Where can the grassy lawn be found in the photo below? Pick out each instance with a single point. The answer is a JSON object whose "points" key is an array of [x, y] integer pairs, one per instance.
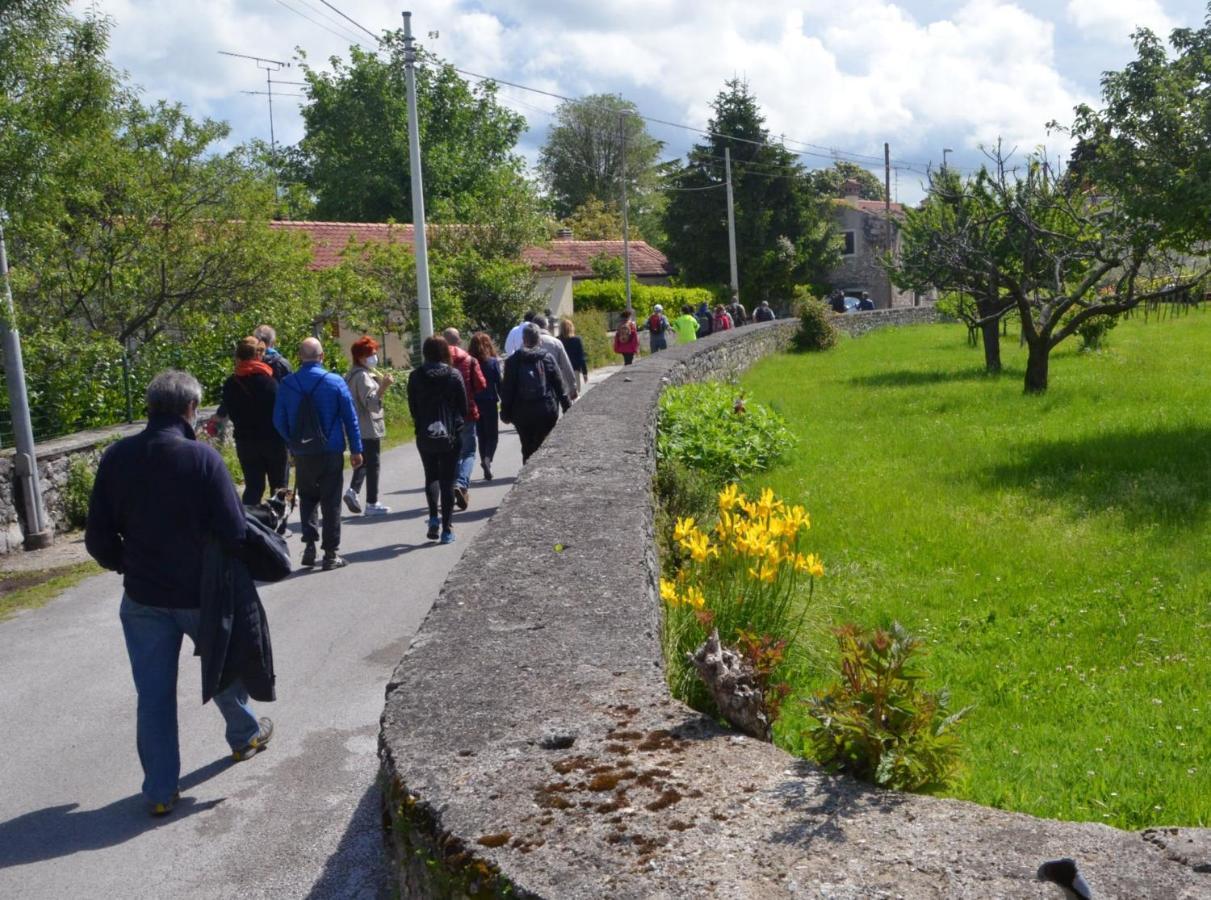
{"points": [[29, 590], [1055, 551]]}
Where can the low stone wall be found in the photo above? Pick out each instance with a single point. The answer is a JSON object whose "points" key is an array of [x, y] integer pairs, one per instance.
{"points": [[858, 323], [529, 745]]}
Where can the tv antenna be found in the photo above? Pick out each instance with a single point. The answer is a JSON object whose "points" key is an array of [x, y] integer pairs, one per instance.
{"points": [[270, 66]]}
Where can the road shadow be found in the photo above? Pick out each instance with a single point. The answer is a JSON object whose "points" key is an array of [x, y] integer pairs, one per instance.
{"points": [[1155, 475], [359, 867], [821, 804], [378, 554], [62, 830], [926, 377]]}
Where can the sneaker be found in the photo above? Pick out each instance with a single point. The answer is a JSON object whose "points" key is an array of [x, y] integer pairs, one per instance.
{"points": [[377, 509], [434, 525], [257, 744], [351, 501], [447, 537], [163, 809], [487, 470], [333, 562], [462, 497], [309, 555]]}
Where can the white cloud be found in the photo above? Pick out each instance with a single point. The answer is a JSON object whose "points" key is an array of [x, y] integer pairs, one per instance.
{"points": [[1115, 20]]}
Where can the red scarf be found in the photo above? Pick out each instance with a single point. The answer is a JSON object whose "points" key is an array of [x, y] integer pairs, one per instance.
{"points": [[245, 367]]}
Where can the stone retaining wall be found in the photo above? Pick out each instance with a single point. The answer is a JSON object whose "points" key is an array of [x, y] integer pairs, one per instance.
{"points": [[530, 747], [859, 323]]}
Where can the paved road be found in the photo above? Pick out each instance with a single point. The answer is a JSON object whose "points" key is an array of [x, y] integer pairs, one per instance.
{"points": [[299, 820]]}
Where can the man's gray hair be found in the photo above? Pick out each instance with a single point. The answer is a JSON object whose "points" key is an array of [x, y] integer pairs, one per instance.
{"points": [[540, 322], [452, 336], [529, 335], [265, 333], [171, 392]]}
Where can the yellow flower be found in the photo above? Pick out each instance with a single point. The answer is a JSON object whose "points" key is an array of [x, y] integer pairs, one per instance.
{"points": [[683, 529], [668, 592], [811, 564], [797, 519], [699, 547], [764, 573], [694, 597], [768, 504], [726, 525], [730, 497]]}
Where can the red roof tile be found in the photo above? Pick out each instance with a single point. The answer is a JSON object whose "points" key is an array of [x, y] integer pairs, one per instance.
{"points": [[573, 257]]}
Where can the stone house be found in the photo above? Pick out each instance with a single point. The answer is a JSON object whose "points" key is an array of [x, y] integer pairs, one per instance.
{"points": [[863, 226]]}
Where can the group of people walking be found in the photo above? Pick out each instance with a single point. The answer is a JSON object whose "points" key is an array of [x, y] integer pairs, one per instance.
{"points": [[689, 326]]}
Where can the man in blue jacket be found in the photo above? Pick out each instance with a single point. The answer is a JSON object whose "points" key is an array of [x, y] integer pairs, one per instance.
{"points": [[319, 459], [159, 496]]}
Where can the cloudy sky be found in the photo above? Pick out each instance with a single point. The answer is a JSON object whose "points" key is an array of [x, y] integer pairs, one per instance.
{"points": [[921, 74]]}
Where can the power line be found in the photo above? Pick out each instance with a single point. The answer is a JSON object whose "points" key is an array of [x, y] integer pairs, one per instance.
{"points": [[351, 21], [326, 16], [299, 12]]}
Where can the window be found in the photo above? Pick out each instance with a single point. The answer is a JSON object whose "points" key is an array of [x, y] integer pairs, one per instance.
{"points": [[850, 247]]}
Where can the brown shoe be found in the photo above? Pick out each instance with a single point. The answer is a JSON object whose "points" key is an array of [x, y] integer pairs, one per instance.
{"points": [[462, 497]]}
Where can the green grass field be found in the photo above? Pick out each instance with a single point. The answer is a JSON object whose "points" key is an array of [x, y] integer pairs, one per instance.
{"points": [[1054, 550]]}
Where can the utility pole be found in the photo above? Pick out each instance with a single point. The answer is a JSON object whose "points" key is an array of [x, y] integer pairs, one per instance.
{"points": [[946, 151], [887, 217], [731, 225], [270, 66], [626, 230], [424, 300], [25, 464]]}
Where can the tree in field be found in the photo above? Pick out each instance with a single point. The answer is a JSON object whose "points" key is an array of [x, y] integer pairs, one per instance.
{"points": [[784, 232], [354, 153], [831, 182], [935, 243], [1064, 256], [582, 160]]}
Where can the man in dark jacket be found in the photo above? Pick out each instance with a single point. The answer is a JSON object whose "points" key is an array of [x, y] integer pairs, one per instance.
{"points": [[320, 464], [275, 361], [158, 497], [532, 392]]}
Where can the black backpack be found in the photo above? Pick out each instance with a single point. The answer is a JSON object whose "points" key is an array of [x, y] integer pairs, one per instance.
{"points": [[532, 381], [308, 434], [440, 434]]}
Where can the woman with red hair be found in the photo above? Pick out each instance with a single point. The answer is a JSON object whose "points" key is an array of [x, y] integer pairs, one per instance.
{"points": [[367, 387]]}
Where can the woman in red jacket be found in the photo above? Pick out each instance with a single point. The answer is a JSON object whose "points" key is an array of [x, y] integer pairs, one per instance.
{"points": [[626, 339], [723, 322]]}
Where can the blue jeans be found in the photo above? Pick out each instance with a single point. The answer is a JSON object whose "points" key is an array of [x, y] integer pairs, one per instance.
{"points": [[466, 455], [153, 643]]}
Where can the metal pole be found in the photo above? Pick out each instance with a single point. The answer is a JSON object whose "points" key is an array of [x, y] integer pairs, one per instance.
{"points": [[26, 461], [887, 217], [273, 144], [731, 225], [424, 300], [626, 231]]}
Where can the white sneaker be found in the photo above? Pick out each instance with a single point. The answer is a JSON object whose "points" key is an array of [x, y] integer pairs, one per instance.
{"points": [[377, 509], [351, 501]]}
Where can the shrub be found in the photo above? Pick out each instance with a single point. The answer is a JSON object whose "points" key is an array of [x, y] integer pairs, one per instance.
{"points": [[593, 328], [744, 578], [711, 428], [877, 723], [611, 297], [81, 473], [816, 329], [1093, 332], [684, 493]]}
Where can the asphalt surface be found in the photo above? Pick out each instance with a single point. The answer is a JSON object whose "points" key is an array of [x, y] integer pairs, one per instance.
{"points": [[301, 819]]}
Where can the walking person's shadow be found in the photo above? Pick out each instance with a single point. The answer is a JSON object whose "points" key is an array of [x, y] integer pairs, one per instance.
{"points": [[57, 831]]}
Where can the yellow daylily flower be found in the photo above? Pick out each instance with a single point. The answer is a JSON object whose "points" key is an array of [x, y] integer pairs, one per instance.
{"points": [[764, 573], [699, 547], [730, 497], [683, 528], [797, 519], [668, 592], [768, 504], [694, 598]]}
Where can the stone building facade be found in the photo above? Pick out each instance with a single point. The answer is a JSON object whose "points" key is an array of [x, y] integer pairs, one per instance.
{"points": [[863, 226]]}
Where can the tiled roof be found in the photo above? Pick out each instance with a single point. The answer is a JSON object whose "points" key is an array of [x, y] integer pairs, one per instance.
{"points": [[577, 256], [573, 257], [871, 206]]}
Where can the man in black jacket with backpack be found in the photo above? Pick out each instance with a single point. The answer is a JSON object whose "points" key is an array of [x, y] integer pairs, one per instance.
{"points": [[532, 392], [158, 498]]}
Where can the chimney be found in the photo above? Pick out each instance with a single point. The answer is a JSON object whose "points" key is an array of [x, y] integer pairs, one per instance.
{"points": [[852, 189], [563, 234]]}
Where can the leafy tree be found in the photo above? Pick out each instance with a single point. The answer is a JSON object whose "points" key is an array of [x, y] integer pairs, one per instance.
{"points": [[935, 237], [606, 267], [354, 154], [831, 182], [597, 220], [784, 233], [582, 159]]}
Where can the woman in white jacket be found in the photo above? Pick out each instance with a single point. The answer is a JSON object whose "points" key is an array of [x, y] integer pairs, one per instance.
{"points": [[367, 387]]}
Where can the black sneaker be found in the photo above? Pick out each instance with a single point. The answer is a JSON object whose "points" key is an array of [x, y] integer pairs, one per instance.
{"points": [[487, 470], [333, 562], [462, 497], [257, 744], [309, 555]]}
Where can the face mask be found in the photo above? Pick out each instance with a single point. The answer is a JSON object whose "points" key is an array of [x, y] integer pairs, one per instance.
{"points": [[372, 360]]}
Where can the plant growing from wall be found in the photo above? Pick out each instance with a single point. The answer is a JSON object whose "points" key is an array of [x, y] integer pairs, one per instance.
{"points": [[816, 328], [81, 473], [877, 722]]}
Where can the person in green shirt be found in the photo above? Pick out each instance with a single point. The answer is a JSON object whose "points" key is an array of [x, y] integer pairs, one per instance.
{"points": [[686, 326]]}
